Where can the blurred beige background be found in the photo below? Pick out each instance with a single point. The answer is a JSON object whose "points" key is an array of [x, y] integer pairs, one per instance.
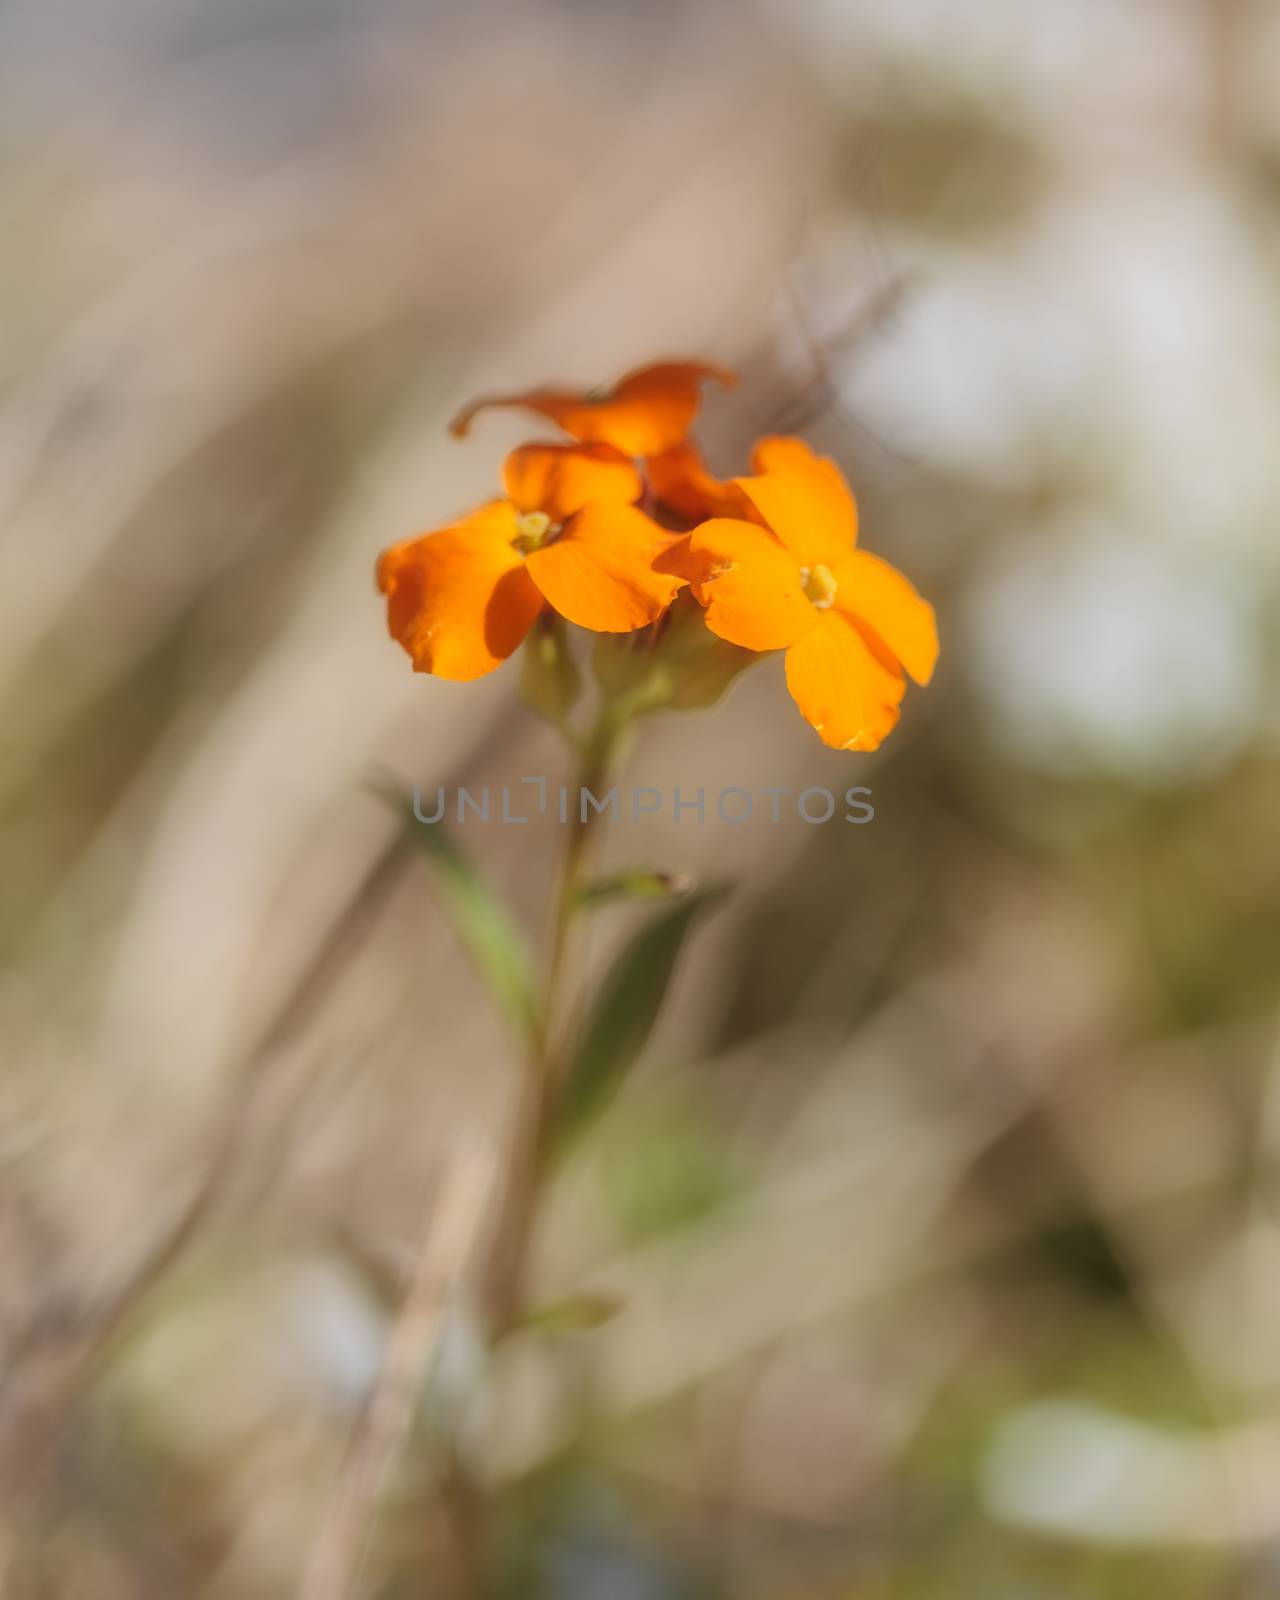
{"points": [[943, 1210]]}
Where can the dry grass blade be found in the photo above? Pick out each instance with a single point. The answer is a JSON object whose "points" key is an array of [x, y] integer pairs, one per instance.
{"points": [[333, 1570]]}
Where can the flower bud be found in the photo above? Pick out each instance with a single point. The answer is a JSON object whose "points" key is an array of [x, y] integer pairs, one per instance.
{"points": [[550, 682]]}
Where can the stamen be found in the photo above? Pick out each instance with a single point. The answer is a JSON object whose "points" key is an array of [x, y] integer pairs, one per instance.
{"points": [[531, 529], [820, 585]]}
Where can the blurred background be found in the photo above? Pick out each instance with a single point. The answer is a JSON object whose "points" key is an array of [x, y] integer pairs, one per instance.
{"points": [[939, 1226]]}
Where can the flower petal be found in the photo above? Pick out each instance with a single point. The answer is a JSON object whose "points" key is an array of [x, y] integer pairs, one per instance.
{"points": [[653, 408], [880, 597], [495, 519], [603, 572], [847, 695], [748, 582], [645, 413], [561, 478], [681, 482], [460, 600], [778, 451], [806, 503]]}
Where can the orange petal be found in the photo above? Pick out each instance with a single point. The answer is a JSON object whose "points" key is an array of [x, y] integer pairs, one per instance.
{"points": [[647, 412], [847, 695], [460, 600], [777, 451], [749, 583], [603, 573], [561, 478], [678, 559], [806, 503], [495, 519], [881, 598], [681, 482]]}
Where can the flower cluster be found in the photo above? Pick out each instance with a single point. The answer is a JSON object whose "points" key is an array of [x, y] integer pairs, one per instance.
{"points": [[607, 529]]}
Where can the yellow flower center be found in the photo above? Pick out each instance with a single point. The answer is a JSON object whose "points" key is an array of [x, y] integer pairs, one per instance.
{"points": [[819, 584], [532, 528]]}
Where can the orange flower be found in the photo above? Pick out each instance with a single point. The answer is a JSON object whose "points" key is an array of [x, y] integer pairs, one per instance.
{"points": [[461, 600], [850, 624], [644, 414]]}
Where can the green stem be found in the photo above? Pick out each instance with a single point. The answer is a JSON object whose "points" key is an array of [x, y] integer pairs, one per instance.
{"points": [[504, 1277], [505, 1269]]}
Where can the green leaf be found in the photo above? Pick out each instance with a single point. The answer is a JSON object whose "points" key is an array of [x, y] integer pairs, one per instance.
{"points": [[578, 1313], [625, 1009], [635, 883], [485, 927]]}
